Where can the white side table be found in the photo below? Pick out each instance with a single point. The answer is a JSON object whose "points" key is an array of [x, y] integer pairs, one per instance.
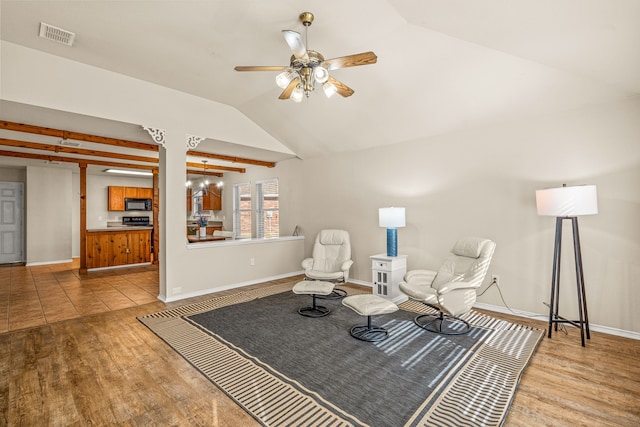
{"points": [[388, 272]]}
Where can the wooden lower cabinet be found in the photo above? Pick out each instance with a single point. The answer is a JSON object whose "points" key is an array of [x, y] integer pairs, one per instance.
{"points": [[113, 248]]}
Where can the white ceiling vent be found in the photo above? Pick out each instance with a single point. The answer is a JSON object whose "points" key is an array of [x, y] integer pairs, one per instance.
{"points": [[69, 143], [56, 34]]}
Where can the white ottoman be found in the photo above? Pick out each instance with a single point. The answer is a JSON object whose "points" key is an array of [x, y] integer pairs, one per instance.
{"points": [[313, 288], [369, 305]]}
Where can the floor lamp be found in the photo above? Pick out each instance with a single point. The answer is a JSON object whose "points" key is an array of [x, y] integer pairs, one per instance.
{"points": [[567, 203]]}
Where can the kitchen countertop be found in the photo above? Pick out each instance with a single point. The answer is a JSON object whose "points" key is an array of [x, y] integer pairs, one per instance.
{"points": [[209, 223], [193, 238], [122, 227]]}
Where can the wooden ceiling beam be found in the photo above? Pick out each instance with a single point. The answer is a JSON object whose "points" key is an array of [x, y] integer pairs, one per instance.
{"points": [[64, 134], [73, 150], [231, 158], [191, 167], [218, 167], [197, 172], [75, 160], [39, 130]]}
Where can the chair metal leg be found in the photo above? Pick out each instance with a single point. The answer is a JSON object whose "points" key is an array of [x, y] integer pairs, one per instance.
{"points": [[315, 310], [335, 294], [441, 323], [369, 332]]}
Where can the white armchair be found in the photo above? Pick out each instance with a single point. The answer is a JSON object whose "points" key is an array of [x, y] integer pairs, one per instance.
{"points": [[452, 289], [228, 235], [331, 257]]}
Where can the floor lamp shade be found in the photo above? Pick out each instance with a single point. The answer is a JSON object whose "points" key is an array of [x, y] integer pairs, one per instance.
{"points": [[391, 218], [567, 203]]}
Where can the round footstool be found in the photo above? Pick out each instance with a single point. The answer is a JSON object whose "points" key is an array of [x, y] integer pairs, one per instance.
{"points": [[369, 305], [313, 288]]}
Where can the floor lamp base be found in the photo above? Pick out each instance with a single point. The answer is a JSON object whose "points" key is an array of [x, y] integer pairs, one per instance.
{"points": [[554, 318]]}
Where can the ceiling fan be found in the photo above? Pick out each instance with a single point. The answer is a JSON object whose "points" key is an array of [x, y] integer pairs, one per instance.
{"points": [[308, 67]]}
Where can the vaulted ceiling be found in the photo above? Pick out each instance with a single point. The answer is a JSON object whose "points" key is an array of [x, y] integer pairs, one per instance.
{"points": [[443, 65]]}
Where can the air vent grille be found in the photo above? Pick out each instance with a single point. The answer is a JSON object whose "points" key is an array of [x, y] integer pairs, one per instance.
{"points": [[56, 34], [69, 143]]}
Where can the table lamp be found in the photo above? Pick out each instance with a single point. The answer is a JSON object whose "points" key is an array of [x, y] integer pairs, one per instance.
{"points": [[567, 203], [391, 218]]}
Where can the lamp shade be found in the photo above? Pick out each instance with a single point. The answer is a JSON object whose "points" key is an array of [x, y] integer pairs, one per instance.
{"points": [[567, 201], [391, 217]]}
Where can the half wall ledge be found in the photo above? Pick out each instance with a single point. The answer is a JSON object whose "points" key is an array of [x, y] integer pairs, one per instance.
{"points": [[238, 242]]}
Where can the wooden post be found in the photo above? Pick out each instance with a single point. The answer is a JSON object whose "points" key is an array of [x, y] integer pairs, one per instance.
{"points": [[156, 217], [83, 217]]}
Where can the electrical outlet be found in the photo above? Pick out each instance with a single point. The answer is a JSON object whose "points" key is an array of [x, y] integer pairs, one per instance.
{"points": [[252, 261], [177, 291], [495, 279]]}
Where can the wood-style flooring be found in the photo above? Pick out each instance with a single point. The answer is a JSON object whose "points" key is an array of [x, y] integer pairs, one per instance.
{"points": [[73, 353]]}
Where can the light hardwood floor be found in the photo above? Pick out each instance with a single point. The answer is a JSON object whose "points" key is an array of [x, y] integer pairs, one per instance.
{"points": [[97, 365]]}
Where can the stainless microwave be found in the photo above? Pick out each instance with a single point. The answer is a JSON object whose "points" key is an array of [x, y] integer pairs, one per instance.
{"points": [[137, 204]]}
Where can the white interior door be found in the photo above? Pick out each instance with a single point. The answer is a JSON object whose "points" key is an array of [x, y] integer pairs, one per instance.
{"points": [[11, 230]]}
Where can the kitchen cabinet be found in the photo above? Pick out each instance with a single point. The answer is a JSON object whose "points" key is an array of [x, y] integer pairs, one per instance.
{"points": [[117, 194], [145, 193], [118, 247], [116, 198], [212, 201], [130, 192], [138, 193]]}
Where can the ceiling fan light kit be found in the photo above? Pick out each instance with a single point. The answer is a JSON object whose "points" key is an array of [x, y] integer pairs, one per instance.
{"points": [[308, 67], [329, 89]]}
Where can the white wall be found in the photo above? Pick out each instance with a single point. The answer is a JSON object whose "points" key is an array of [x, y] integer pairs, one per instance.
{"points": [[12, 174], [483, 183], [48, 206], [225, 265]]}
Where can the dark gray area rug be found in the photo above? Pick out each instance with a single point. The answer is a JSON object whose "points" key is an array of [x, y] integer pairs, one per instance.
{"points": [[286, 369]]}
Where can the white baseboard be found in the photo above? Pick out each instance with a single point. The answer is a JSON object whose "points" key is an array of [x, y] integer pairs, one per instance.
{"points": [[489, 307], [545, 317], [118, 266], [227, 287], [60, 261], [361, 282]]}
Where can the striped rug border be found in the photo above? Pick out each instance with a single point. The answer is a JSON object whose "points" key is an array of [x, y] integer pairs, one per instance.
{"points": [[480, 394]]}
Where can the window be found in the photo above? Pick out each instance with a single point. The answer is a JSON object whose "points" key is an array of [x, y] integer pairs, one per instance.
{"points": [[268, 209], [242, 210]]}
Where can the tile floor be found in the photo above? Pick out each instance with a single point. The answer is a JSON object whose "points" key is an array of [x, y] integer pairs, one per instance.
{"points": [[33, 296]]}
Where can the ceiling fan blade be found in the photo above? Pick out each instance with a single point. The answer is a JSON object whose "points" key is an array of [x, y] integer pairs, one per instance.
{"points": [[260, 68], [364, 58], [294, 40], [342, 88], [286, 94]]}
